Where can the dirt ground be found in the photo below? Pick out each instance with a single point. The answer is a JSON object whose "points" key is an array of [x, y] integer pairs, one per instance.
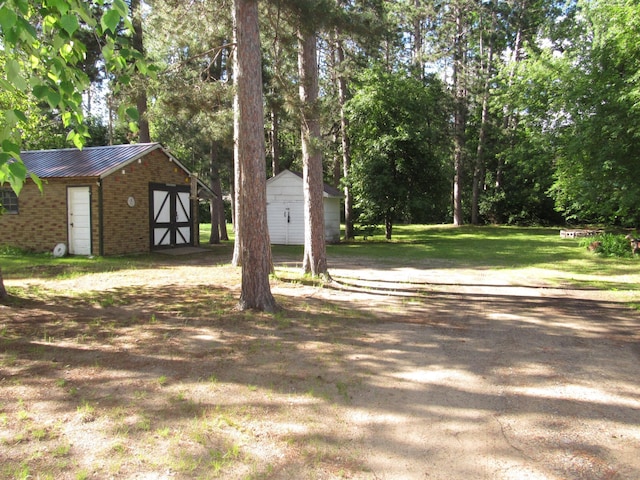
{"points": [[390, 372]]}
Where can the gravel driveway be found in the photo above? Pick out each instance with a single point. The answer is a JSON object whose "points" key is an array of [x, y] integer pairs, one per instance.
{"points": [[478, 375], [442, 373]]}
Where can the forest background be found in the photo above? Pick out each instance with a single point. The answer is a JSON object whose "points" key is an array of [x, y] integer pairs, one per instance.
{"points": [[463, 111]]}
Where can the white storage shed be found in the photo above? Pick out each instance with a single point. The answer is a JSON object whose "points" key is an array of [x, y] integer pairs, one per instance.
{"points": [[285, 210]]}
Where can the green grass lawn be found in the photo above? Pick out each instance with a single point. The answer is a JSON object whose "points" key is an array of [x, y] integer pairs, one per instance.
{"points": [[21, 264], [481, 246], [467, 246], [538, 249], [485, 247]]}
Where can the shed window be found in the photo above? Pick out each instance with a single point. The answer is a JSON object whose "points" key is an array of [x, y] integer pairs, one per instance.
{"points": [[8, 201]]}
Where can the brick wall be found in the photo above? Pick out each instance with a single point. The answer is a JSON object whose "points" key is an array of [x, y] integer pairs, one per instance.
{"points": [[125, 228], [42, 221]]}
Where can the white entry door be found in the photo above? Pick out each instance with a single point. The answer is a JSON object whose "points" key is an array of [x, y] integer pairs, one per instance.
{"points": [[278, 221], [79, 220], [286, 223]]}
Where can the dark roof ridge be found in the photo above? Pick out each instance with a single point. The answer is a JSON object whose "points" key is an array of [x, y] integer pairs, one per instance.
{"points": [[68, 149]]}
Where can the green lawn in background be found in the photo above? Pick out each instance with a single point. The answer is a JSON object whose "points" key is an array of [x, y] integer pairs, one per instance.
{"points": [[467, 246], [17, 264], [482, 246]]}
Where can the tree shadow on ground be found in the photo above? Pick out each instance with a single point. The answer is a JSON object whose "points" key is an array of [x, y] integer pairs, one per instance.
{"points": [[373, 385]]}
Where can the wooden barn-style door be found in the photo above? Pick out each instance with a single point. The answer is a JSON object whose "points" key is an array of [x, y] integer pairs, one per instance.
{"points": [[171, 224]]}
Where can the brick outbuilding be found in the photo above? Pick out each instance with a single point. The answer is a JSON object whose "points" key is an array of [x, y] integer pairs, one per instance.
{"points": [[110, 200]]}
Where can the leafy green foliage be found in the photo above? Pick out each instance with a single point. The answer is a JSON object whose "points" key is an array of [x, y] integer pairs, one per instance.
{"points": [[11, 250], [574, 99], [516, 188], [192, 110], [609, 245], [44, 52], [399, 146], [596, 175]]}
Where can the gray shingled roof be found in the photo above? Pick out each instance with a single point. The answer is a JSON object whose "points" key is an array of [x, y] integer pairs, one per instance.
{"points": [[88, 162]]}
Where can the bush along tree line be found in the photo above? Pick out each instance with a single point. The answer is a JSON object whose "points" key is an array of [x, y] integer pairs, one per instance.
{"points": [[517, 112]]}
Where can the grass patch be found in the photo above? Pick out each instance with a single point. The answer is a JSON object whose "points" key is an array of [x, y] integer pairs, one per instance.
{"points": [[62, 450], [470, 246], [86, 411], [19, 264], [500, 247], [487, 247]]}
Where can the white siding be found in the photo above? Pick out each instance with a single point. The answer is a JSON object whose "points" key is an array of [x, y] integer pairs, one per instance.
{"points": [[332, 219], [286, 222], [285, 211]]}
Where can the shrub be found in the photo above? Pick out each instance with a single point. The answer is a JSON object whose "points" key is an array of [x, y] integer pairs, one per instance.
{"points": [[611, 245], [11, 250]]}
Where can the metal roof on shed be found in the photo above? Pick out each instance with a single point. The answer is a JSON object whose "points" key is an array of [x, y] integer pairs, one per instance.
{"points": [[88, 162]]}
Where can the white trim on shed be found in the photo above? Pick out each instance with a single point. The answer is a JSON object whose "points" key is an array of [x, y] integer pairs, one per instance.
{"points": [[285, 210]]}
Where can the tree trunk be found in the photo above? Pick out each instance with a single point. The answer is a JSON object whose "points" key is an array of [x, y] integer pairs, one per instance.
{"points": [[275, 104], [459, 116], [418, 59], [510, 122], [346, 143], [144, 135], [336, 163], [236, 259], [214, 239], [254, 241], [315, 257], [3, 291], [275, 143], [480, 167], [214, 205], [222, 217], [218, 218]]}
